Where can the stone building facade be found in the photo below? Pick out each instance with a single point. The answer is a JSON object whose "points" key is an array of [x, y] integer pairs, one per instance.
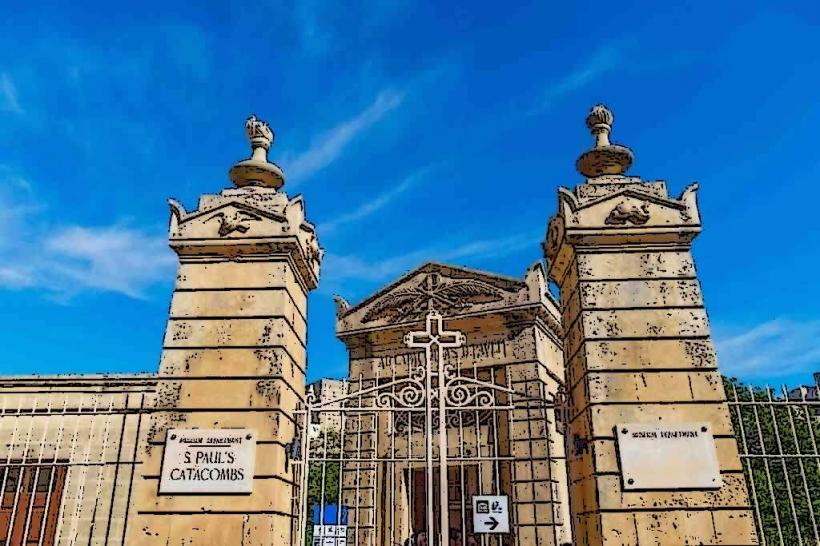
{"points": [[628, 342], [512, 339]]}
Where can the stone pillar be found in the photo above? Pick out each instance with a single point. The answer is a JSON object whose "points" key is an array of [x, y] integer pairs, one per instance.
{"points": [[233, 354], [637, 349]]}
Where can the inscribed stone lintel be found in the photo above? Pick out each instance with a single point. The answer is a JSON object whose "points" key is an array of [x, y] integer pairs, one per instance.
{"points": [[668, 457]]}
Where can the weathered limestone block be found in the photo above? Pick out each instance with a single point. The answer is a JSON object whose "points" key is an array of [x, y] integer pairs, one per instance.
{"points": [[235, 361], [640, 293], [636, 265], [236, 303]]}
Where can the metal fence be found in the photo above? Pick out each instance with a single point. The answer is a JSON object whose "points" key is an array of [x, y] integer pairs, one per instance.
{"points": [[778, 431], [70, 454]]}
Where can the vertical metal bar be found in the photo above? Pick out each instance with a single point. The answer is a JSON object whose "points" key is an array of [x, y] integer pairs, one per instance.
{"points": [[801, 466], [411, 476], [53, 472], [495, 443], [513, 473], [461, 442], [11, 444], [477, 425], [358, 462], [748, 462], [81, 487], [783, 465], [103, 466], [766, 465], [444, 501], [378, 511], [71, 461], [428, 385], [30, 508], [392, 505], [548, 428], [305, 471], [323, 474], [21, 475], [341, 453], [809, 422]]}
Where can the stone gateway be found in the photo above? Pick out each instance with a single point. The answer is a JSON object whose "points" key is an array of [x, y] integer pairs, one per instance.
{"points": [[478, 409]]}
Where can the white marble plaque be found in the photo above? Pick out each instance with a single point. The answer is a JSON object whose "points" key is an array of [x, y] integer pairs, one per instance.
{"points": [[668, 457], [208, 461], [491, 514]]}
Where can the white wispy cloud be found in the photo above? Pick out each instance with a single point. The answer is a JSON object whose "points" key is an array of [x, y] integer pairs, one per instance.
{"points": [[63, 261], [110, 258], [776, 348], [8, 94], [373, 205], [602, 61], [326, 148]]}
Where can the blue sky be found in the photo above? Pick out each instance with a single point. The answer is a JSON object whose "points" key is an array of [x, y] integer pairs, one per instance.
{"points": [[415, 131]]}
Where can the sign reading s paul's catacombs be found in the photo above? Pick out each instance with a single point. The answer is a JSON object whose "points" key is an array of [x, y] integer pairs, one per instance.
{"points": [[203, 461], [675, 456]]}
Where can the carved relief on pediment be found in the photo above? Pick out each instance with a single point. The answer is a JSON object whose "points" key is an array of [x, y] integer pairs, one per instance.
{"points": [[434, 291], [623, 214], [230, 221]]}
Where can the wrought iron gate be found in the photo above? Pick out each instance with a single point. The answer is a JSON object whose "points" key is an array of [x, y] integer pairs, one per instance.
{"points": [[400, 456]]}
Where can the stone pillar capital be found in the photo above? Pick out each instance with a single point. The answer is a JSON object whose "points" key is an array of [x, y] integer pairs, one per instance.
{"points": [[619, 211], [247, 224]]}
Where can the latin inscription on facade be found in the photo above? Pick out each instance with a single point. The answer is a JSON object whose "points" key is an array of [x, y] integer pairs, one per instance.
{"points": [[208, 461], [465, 355], [668, 457]]}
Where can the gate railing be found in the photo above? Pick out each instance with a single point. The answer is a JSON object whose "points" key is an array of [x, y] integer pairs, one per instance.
{"points": [[426, 438], [778, 434]]}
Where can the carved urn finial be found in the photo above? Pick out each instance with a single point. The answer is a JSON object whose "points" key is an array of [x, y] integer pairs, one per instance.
{"points": [[257, 171], [605, 158]]}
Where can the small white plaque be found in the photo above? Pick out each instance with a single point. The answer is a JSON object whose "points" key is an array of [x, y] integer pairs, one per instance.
{"points": [[330, 535], [491, 514], [208, 461], [668, 457]]}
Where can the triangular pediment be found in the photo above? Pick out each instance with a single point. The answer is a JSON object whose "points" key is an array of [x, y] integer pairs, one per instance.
{"points": [[448, 289], [227, 220], [630, 206]]}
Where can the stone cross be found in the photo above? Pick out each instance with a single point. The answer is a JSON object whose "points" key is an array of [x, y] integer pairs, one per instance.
{"points": [[434, 334]]}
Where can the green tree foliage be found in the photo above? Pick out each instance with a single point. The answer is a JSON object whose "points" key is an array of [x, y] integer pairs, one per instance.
{"points": [[323, 477], [778, 437]]}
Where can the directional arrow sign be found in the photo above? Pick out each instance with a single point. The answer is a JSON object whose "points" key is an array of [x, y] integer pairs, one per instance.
{"points": [[491, 514]]}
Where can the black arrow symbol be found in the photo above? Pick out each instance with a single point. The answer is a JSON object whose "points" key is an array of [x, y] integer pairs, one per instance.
{"points": [[493, 523]]}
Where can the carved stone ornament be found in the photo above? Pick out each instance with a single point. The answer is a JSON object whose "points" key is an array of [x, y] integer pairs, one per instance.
{"points": [[236, 220], [341, 305], [257, 170], [605, 158], [620, 215], [433, 292], [259, 132]]}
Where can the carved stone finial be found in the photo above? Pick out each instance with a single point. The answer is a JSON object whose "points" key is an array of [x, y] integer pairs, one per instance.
{"points": [[605, 158], [258, 171], [259, 133], [341, 305]]}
